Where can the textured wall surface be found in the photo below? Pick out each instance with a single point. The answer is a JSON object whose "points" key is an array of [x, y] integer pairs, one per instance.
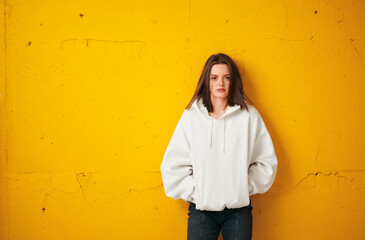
{"points": [[91, 92]]}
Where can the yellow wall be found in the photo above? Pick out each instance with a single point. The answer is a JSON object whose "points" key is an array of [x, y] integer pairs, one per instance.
{"points": [[89, 102]]}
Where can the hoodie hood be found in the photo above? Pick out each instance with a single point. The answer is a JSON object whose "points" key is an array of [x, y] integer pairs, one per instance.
{"points": [[199, 105]]}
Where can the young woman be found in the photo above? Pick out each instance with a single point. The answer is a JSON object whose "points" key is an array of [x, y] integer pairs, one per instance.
{"points": [[220, 154]]}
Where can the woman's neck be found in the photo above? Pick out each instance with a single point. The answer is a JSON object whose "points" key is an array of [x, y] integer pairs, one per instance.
{"points": [[219, 107], [219, 104]]}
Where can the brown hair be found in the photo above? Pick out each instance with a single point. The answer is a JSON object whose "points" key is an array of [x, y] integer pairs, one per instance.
{"points": [[236, 94]]}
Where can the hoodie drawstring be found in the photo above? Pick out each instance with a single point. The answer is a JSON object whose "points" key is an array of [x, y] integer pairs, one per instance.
{"points": [[224, 134], [199, 105]]}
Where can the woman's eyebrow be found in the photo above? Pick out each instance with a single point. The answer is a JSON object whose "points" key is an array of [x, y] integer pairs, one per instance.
{"points": [[223, 75]]}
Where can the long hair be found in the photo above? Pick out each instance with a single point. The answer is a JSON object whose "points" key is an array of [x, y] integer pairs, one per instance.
{"points": [[236, 94]]}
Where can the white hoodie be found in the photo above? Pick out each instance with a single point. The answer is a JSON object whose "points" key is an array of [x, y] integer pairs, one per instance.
{"points": [[218, 163]]}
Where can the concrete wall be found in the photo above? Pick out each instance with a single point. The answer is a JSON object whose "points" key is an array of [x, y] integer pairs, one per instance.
{"points": [[91, 92]]}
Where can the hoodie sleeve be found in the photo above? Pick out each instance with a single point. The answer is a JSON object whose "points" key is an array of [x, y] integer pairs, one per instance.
{"points": [[263, 164], [176, 167]]}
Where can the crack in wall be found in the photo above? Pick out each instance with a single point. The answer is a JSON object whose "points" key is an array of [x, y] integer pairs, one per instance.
{"points": [[87, 40], [84, 179], [146, 189], [299, 186], [351, 42], [319, 173], [320, 140], [5, 15]]}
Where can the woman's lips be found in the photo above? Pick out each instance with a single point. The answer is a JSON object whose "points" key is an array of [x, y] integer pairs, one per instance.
{"points": [[221, 90]]}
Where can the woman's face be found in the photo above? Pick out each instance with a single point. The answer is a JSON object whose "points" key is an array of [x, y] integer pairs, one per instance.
{"points": [[219, 80]]}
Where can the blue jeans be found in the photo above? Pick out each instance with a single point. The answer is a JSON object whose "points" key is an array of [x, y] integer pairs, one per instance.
{"points": [[236, 223]]}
